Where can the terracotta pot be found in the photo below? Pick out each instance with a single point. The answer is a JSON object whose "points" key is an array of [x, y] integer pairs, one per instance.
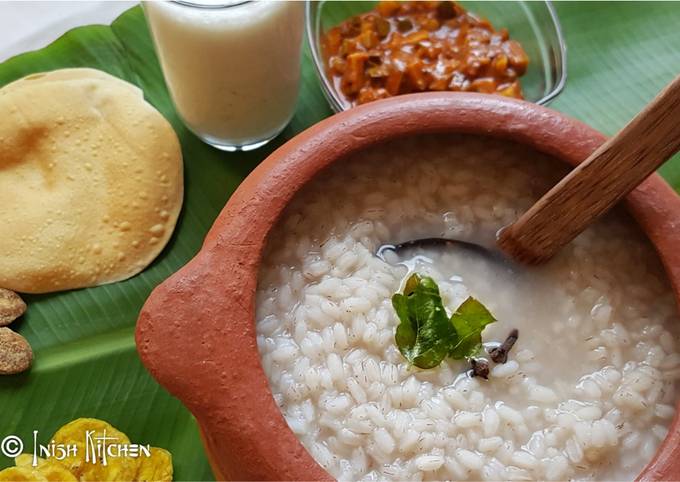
{"points": [[196, 333]]}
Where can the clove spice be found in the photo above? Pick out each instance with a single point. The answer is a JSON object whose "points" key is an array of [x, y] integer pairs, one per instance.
{"points": [[480, 368], [499, 354]]}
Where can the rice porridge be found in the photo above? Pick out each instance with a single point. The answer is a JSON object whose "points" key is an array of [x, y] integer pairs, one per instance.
{"points": [[588, 390]]}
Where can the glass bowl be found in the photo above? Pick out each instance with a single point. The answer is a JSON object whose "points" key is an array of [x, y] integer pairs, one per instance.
{"points": [[533, 24]]}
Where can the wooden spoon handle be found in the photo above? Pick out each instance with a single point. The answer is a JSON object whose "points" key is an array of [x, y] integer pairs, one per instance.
{"points": [[598, 183]]}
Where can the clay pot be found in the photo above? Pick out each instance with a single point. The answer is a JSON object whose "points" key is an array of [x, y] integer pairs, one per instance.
{"points": [[196, 333]]}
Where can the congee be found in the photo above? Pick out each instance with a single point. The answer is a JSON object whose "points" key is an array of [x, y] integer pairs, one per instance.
{"points": [[587, 391]]}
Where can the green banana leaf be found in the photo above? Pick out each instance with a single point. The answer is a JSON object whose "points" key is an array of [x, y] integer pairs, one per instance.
{"points": [[620, 55]]}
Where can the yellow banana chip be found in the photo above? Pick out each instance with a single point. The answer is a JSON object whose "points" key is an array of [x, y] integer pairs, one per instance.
{"points": [[98, 465], [21, 474], [157, 468], [76, 433], [26, 460], [49, 470], [55, 472], [116, 470]]}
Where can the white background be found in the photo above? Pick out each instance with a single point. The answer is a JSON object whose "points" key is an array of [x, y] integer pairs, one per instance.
{"points": [[29, 25]]}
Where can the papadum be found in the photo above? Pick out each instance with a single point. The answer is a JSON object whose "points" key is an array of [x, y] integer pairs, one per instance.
{"points": [[91, 181]]}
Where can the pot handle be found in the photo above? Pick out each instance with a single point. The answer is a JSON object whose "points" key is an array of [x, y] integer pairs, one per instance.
{"points": [[192, 337]]}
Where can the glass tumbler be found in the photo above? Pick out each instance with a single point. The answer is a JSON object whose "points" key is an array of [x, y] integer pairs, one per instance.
{"points": [[232, 69]]}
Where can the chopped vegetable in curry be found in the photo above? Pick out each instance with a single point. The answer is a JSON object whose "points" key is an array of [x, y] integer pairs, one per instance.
{"points": [[416, 46]]}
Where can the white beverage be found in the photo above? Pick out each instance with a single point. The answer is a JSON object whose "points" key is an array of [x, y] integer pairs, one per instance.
{"points": [[232, 69]]}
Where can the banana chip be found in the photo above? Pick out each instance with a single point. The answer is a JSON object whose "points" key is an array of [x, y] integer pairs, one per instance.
{"points": [[26, 460], [49, 470], [119, 469], [78, 468], [157, 468], [21, 474], [55, 472], [74, 433]]}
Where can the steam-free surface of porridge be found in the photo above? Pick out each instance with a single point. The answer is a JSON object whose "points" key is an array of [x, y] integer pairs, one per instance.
{"points": [[589, 389]]}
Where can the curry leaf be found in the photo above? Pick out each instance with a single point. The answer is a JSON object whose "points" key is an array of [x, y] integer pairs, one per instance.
{"points": [[469, 321], [426, 335], [407, 330]]}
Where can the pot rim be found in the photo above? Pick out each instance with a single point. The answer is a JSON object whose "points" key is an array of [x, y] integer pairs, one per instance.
{"points": [[206, 309]]}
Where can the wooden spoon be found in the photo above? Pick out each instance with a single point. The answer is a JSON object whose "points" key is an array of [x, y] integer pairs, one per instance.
{"points": [[587, 192], [598, 183]]}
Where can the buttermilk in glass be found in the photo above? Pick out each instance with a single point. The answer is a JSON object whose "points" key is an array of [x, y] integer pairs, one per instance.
{"points": [[232, 68]]}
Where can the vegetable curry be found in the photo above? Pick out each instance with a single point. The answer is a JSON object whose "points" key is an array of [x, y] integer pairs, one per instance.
{"points": [[416, 46]]}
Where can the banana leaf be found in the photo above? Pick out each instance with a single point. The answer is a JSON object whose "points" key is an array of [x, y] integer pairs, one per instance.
{"points": [[620, 55]]}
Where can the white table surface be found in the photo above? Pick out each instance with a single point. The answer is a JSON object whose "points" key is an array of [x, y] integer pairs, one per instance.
{"points": [[30, 25]]}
